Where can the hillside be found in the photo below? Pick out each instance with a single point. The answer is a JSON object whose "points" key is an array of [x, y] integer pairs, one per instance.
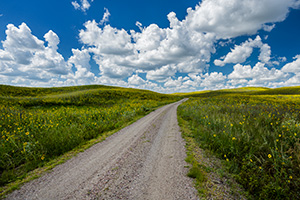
{"points": [[76, 95], [244, 91], [39, 124]]}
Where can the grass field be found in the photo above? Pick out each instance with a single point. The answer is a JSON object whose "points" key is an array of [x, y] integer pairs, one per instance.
{"points": [[255, 131], [39, 124], [257, 134]]}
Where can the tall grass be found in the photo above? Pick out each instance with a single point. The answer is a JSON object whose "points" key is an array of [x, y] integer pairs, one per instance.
{"points": [[258, 137], [36, 129]]}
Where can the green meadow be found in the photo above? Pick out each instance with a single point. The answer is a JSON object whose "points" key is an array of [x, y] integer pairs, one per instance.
{"points": [[40, 124], [256, 131]]}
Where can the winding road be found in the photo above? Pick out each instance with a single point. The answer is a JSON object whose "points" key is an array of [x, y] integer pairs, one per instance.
{"points": [[142, 161]]}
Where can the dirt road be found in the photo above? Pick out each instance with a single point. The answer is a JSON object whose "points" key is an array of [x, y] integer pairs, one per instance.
{"points": [[142, 161]]}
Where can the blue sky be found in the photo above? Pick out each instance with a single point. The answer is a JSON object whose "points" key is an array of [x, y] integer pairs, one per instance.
{"points": [[165, 46]]}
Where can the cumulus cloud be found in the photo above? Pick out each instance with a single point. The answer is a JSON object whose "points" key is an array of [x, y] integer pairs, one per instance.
{"points": [[240, 53], [258, 75], [161, 74], [149, 50], [107, 41], [174, 83], [232, 18], [293, 67], [185, 45], [214, 80], [24, 55], [83, 75], [136, 80], [52, 39]]}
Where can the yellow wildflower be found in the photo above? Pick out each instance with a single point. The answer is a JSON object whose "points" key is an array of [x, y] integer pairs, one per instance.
{"points": [[270, 156]]}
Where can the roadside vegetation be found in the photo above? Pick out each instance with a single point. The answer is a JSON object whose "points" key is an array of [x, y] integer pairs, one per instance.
{"points": [[255, 131], [40, 124]]}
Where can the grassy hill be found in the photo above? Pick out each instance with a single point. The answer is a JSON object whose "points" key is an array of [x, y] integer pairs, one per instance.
{"points": [[245, 91], [40, 124]]}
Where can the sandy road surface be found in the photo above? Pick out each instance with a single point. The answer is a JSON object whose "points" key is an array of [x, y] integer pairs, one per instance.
{"points": [[142, 161]]}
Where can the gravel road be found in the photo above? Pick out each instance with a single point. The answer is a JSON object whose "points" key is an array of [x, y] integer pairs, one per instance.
{"points": [[142, 161]]}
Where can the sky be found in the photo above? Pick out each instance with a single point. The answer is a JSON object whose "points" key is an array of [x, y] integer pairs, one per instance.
{"points": [[164, 46]]}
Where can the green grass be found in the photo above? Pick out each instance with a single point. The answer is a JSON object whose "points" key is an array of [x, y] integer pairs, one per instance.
{"points": [[208, 93], [39, 124], [256, 135], [244, 90]]}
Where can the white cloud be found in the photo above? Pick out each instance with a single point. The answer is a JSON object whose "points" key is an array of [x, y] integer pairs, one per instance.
{"points": [[265, 53], [75, 5], [83, 75], [136, 80], [103, 80], [293, 81], [105, 17], [150, 49], [173, 83], [258, 75], [140, 25], [150, 38], [214, 80], [240, 53], [21, 44], [24, 55], [232, 18], [52, 39], [293, 67], [109, 40], [83, 6], [109, 68], [268, 28], [161, 74]]}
